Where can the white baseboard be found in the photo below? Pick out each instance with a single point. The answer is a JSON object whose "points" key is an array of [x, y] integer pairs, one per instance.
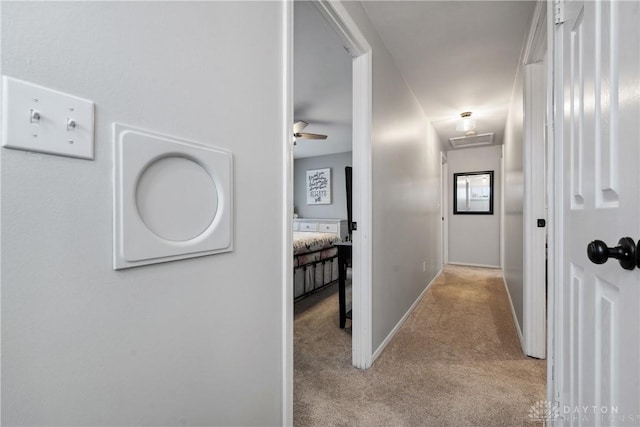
{"points": [[515, 318], [396, 328], [466, 264]]}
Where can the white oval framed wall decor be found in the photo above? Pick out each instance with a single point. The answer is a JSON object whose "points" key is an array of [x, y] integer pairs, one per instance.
{"points": [[172, 198]]}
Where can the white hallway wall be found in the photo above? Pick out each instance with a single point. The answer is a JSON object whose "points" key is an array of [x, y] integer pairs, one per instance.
{"points": [[475, 239], [406, 190], [195, 342]]}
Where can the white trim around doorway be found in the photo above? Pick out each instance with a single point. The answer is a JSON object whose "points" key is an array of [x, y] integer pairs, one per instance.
{"points": [[362, 250], [287, 214], [534, 142], [444, 209]]}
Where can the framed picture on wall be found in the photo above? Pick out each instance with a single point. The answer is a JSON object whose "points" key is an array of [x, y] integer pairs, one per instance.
{"points": [[473, 193], [319, 186]]}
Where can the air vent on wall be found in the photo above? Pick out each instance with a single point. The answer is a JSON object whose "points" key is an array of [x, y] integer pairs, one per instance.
{"points": [[472, 141]]}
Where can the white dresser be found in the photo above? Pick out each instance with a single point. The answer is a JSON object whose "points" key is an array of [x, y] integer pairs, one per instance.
{"points": [[338, 226]]}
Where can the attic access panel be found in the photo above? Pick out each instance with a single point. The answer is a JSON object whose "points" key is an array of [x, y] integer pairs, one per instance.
{"points": [[472, 141], [473, 193]]}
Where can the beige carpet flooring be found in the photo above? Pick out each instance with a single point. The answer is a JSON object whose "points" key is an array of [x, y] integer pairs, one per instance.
{"points": [[455, 362]]}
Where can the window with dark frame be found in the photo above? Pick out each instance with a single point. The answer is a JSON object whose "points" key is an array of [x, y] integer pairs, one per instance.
{"points": [[473, 193]]}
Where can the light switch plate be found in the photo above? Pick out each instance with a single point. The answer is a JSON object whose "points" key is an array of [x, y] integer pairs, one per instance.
{"points": [[36, 118]]}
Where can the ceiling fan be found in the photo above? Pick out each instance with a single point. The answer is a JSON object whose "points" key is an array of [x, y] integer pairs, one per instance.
{"points": [[298, 126]]}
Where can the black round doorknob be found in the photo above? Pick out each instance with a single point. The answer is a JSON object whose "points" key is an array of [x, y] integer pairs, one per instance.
{"points": [[625, 252]]}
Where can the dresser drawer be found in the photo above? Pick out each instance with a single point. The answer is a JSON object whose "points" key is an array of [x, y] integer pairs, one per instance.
{"points": [[296, 226], [308, 226], [328, 228]]}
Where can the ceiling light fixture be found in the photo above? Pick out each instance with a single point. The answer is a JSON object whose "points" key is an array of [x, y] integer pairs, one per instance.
{"points": [[466, 124]]}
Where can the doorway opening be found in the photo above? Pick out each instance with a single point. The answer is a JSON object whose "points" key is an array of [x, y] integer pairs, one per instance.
{"points": [[337, 17], [444, 210]]}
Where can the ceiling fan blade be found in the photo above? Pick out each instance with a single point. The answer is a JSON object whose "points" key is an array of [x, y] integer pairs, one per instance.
{"points": [[309, 136], [299, 125]]}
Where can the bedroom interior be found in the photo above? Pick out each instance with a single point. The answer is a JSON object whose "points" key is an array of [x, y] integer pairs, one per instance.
{"points": [[322, 107]]}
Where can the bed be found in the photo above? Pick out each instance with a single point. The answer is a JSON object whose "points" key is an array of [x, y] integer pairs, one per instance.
{"points": [[315, 259]]}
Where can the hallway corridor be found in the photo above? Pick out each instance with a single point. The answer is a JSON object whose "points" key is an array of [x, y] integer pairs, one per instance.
{"points": [[456, 361]]}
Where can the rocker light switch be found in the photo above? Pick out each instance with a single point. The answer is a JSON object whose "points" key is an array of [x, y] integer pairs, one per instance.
{"points": [[47, 121]]}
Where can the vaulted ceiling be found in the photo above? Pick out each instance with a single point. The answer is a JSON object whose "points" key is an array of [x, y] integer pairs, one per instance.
{"points": [[455, 56]]}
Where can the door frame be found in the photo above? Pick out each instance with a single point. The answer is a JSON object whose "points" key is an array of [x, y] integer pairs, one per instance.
{"points": [[362, 251], [555, 231], [444, 208], [534, 132], [287, 213], [362, 203]]}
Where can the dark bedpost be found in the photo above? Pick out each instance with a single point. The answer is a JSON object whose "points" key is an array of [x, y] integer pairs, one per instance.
{"points": [[347, 174]]}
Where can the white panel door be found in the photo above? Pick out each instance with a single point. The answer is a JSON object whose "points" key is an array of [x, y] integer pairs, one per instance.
{"points": [[597, 120]]}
